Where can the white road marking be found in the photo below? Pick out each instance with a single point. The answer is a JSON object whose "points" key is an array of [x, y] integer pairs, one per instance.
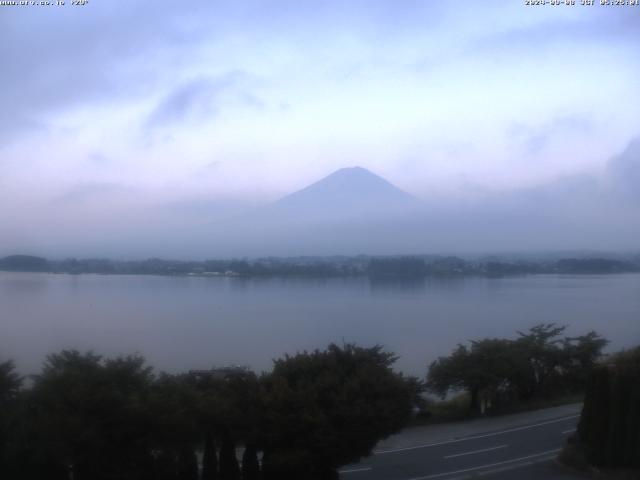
{"points": [[571, 430], [474, 437], [476, 451], [493, 471], [354, 470], [489, 465]]}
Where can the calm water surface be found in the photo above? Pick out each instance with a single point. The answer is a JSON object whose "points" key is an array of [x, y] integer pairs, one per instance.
{"points": [[180, 323]]}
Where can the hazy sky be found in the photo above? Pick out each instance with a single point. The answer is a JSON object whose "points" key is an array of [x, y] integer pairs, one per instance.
{"points": [[128, 109]]}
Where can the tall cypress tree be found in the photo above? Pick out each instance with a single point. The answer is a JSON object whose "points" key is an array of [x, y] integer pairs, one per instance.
{"points": [[619, 410], [209, 459], [250, 465], [609, 427], [229, 469], [188, 465], [632, 442], [166, 466], [629, 436], [598, 420]]}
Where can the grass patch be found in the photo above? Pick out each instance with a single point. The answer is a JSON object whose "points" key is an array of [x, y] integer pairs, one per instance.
{"points": [[538, 404], [459, 408], [450, 410]]}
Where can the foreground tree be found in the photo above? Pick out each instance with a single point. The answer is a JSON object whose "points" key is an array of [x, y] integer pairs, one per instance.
{"points": [[90, 418], [229, 410], [229, 468], [482, 370], [329, 408], [250, 464], [543, 357], [496, 372], [609, 428], [209, 459], [580, 356], [188, 464], [175, 429], [10, 384]]}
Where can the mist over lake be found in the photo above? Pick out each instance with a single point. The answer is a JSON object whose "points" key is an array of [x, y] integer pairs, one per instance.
{"points": [[180, 323]]}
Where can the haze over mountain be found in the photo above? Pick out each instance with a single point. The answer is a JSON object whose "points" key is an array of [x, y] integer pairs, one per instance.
{"points": [[354, 187], [349, 193], [335, 214], [353, 211]]}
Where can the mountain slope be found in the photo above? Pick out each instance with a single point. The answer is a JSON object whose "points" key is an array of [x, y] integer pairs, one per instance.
{"points": [[347, 211], [348, 191]]}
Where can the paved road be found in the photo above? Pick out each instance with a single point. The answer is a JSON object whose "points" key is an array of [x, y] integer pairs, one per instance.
{"points": [[489, 453]]}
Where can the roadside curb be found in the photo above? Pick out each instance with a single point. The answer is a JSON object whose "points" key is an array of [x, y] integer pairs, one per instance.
{"points": [[415, 437]]}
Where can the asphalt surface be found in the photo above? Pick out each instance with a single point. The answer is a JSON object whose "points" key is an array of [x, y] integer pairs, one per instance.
{"points": [[512, 449]]}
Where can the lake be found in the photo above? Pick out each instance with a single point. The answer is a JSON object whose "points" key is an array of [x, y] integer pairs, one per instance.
{"points": [[180, 323]]}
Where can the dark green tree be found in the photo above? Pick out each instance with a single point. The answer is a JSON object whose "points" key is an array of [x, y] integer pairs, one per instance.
{"points": [[496, 372], [209, 459], [483, 370], [90, 415], [230, 409], [166, 465], [187, 464], [176, 431], [580, 356], [250, 465], [541, 345], [229, 468], [609, 427], [10, 384], [328, 408]]}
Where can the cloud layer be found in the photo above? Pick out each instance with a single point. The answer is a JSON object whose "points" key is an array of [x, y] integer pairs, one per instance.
{"points": [[132, 112]]}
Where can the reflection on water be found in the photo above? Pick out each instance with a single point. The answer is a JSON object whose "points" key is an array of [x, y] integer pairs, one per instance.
{"points": [[184, 322], [417, 284], [392, 284], [23, 284]]}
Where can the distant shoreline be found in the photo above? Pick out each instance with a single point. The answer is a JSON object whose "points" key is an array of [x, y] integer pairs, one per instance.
{"points": [[382, 268]]}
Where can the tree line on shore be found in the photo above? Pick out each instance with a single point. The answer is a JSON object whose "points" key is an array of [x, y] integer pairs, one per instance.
{"points": [[375, 267]]}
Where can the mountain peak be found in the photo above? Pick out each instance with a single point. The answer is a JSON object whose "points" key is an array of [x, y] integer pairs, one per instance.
{"points": [[355, 169], [351, 187], [351, 174]]}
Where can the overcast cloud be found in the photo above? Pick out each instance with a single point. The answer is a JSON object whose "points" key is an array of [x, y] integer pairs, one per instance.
{"points": [[121, 115]]}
